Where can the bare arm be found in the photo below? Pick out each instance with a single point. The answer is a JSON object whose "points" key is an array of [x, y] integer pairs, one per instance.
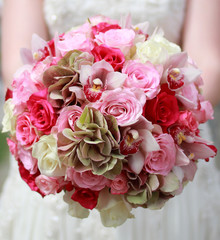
{"points": [[202, 42], [21, 18]]}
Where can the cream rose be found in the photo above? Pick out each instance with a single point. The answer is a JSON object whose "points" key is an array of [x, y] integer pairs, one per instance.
{"points": [[114, 210], [45, 150], [156, 50], [9, 119]]}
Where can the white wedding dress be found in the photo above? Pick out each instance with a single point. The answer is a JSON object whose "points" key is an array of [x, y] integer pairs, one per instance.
{"points": [[193, 215]]}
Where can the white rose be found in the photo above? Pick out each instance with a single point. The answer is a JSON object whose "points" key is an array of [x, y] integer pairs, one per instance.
{"points": [[74, 208], [156, 50], [114, 210], [9, 119], [45, 150]]}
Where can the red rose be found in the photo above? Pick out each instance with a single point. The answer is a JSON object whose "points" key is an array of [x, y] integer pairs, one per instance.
{"points": [[42, 113], [104, 27], [8, 94], [29, 178], [163, 109], [113, 56], [86, 197]]}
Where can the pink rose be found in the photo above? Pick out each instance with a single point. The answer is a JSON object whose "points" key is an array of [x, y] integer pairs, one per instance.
{"points": [[47, 185], [42, 113], [74, 40], [119, 185], [87, 179], [26, 134], [29, 162], [125, 105], [67, 117], [187, 119], [117, 38], [162, 161], [103, 27], [143, 76], [114, 56]]}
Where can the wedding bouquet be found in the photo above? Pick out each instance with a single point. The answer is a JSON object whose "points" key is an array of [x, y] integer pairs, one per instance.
{"points": [[109, 115]]}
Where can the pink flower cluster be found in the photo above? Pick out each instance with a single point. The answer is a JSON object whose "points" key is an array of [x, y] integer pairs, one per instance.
{"points": [[92, 116]]}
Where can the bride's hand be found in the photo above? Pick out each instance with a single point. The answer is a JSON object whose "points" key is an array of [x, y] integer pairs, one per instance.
{"points": [[21, 18]]}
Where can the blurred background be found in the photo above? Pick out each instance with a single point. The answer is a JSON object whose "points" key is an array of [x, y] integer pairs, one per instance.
{"points": [[4, 153]]}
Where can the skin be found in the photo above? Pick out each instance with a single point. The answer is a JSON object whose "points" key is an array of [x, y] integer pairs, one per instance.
{"points": [[201, 38], [21, 18]]}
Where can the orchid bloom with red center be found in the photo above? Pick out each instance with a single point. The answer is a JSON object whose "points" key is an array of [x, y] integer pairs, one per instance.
{"points": [[137, 142], [40, 49], [178, 71], [98, 78], [194, 147]]}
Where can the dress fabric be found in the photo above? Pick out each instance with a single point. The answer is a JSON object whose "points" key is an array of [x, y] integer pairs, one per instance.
{"points": [[193, 215]]}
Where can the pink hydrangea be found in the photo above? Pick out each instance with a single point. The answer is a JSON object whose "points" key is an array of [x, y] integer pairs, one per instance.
{"points": [[23, 88]]}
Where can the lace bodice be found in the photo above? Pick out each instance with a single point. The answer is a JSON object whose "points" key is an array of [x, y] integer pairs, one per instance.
{"points": [[61, 15]]}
